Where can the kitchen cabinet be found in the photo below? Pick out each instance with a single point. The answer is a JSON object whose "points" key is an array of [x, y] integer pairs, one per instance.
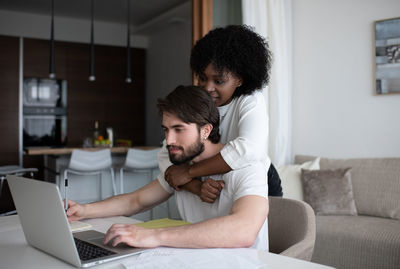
{"points": [[9, 100], [109, 100]]}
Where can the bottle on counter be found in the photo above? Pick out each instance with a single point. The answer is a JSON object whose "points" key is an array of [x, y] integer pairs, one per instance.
{"points": [[110, 136], [96, 132]]}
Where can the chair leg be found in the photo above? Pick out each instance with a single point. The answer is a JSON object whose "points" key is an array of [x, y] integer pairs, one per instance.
{"points": [[101, 186], [113, 182], [148, 177], [1, 183], [121, 180]]}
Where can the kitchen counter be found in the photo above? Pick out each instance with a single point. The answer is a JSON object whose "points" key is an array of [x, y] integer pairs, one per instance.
{"points": [[64, 151], [56, 160]]}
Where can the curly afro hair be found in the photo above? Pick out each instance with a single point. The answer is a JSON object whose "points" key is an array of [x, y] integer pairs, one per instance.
{"points": [[237, 49]]}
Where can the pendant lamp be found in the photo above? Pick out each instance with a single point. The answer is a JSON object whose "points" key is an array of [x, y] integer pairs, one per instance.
{"points": [[128, 47], [91, 76], [51, 66]]}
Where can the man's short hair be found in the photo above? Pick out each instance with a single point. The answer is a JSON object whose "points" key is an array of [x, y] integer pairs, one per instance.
{"points": [[192, 104]]}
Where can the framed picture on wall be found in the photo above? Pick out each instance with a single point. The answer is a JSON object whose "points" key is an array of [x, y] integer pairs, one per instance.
{"points": [[387, 51]]}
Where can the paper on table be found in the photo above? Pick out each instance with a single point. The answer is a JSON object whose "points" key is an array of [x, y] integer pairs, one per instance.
{"points": [[168, 258], [162, 223], [78, 226], [103, 224]]}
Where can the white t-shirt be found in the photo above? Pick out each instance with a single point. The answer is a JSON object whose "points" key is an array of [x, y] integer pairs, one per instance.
{"points": [[244, 130], [238, 183]]}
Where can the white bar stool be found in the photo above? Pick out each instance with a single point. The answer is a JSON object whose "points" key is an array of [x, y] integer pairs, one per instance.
{"points": [[141, 161], [90, 163]]}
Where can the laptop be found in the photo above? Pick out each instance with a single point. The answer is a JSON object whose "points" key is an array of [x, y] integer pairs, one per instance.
{"points": [[45, 225]]}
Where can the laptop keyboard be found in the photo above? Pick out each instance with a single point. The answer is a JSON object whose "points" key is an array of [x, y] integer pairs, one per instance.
{"points": [[89, 251]]}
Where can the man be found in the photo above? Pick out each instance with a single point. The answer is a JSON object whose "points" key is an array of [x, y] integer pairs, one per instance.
{"points": [[238, 218]]}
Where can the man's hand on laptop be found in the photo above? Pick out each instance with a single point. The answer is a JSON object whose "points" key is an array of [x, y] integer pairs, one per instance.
{"points": [[131, 235], [75, 211]]}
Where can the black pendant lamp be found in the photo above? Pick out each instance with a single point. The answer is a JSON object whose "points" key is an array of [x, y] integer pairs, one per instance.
{"points": [[128, 47], [91, 76], [52, 73]]}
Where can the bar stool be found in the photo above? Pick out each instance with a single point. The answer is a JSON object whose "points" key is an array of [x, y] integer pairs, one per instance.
{"points": [[139, 160], [13, 170], [90, 163]]}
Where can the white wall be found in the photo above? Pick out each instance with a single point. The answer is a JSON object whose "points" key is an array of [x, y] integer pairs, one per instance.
{"points": [[168, 58], [226, 12], [335, 110]]}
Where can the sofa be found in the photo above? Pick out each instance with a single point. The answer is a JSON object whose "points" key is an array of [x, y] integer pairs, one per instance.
{"points": [[365, 236]]}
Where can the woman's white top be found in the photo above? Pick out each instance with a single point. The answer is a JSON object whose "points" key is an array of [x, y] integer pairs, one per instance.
{"points": [[244, 131]]}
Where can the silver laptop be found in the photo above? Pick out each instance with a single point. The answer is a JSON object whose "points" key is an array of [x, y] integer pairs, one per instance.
{"points": [[45, 225]]}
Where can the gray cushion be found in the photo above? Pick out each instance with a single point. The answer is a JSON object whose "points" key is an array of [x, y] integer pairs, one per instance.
{"points": [[357, 242], [329, 192], [376, 183]]}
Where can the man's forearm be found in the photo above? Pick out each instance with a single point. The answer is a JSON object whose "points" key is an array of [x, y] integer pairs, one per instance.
{"points": [[120, 205], [239, 229], [214, 233], [130, 203]]}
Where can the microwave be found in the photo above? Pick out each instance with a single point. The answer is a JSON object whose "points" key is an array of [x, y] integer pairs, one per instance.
{"points": [[44, 112]]}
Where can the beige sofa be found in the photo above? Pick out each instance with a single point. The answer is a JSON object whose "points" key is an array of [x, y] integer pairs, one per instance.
{"points": [[370, 239]]}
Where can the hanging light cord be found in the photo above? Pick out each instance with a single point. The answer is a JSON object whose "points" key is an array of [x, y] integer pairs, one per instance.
{"points": [[51, 66], [92, 76], [128, 47]]}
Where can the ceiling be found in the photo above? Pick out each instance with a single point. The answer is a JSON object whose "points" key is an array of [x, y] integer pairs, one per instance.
{"points": [[142, 11]]}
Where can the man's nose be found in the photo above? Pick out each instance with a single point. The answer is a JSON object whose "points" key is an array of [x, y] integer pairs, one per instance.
{"points": [[170, 138]]}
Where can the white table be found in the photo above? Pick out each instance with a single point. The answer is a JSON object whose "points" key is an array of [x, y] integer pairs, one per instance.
{"points": [[16, 253]]}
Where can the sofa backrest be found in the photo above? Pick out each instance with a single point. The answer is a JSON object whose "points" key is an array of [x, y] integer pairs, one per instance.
{"points": [[376, 183]]}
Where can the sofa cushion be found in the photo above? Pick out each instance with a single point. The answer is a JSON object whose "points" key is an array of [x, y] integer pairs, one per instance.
{"points": [[329, 192], [357, 242], [376, 183], [291, 178]]}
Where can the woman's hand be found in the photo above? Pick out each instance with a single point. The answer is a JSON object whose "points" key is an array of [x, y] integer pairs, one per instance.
{"points": [[210, 190], [177, 175]]}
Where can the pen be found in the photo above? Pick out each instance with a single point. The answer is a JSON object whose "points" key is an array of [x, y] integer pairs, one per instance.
{"points": [[66, 197]]}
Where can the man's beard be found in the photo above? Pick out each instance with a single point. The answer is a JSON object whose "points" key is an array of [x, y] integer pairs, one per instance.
{"points": [[193, 151]]}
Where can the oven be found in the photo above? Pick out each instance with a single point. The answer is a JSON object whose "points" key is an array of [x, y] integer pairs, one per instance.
{"points": [[44, 112]]}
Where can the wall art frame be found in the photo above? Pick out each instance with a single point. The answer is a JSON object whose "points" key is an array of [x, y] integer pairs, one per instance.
{"points": [[387, 56]]}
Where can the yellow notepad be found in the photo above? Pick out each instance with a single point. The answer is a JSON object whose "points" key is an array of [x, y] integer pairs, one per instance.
{"points": [[162, 223], [78, 225]]}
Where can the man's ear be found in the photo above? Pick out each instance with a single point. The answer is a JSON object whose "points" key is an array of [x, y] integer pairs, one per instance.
{"points": [[206, 131]]}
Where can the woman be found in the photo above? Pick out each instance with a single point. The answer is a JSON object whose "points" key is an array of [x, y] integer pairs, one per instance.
{"points": [[232, 64]]}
